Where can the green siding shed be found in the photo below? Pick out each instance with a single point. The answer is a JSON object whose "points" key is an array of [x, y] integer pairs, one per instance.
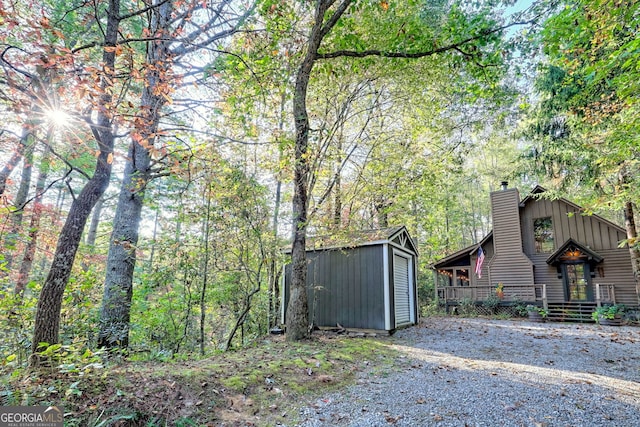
{"points": [[367, 283]]}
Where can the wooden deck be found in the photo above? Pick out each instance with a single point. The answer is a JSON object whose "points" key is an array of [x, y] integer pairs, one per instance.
{"points": [[524, 293], [604, 293]]}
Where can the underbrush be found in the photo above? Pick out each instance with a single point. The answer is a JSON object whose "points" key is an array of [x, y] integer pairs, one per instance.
{"points": [[260, 385]]}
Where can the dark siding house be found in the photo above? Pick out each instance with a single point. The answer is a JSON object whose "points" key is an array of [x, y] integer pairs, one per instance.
{"points": [[369, 283], [542, 251]]}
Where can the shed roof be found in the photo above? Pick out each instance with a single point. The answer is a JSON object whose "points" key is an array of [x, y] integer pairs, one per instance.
{"points": [[353, 239]]}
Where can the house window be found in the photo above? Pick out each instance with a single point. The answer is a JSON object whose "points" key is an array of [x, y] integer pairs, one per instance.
{"points": [[462, 277], [543, 235], [453, 277]]}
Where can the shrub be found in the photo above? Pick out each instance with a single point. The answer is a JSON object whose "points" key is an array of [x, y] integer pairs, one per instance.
{"points": [[608, 312], [491, 303], [467, 306]]}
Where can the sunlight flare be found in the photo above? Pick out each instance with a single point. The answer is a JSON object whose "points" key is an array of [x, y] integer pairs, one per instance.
{"points": [[57, 117]]}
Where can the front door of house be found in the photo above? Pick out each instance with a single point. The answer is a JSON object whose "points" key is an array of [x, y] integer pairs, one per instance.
{"points": [[577, 281]]}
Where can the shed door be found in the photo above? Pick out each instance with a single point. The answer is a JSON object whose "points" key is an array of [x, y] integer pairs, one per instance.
{"points": [[401, 289]]}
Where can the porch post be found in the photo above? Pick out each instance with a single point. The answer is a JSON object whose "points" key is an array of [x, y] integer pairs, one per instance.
{"points": [[545, 305], [612, 288], [598, 296]]}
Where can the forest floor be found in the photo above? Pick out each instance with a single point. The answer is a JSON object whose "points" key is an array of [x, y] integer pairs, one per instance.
{"points": [[257, 386], [352, 379]]}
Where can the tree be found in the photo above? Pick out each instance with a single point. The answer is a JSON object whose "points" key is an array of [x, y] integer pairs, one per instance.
{"points": [[166, 46], [47, 319], [468, 39], [34, 224], [585, 127], [116, 302]]}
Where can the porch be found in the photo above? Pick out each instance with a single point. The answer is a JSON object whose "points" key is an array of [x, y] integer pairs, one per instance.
{"points": [[451, 296]]}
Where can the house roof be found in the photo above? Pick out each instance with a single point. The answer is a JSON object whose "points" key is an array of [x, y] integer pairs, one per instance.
{"points": [[354, 239], [538, 189], [462, 253]]}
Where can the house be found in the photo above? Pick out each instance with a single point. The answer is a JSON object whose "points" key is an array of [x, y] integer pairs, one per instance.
{"points": [[542, 251], [367, 283]]}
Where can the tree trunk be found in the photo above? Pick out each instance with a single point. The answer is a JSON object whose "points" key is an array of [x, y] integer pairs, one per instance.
{"points": [[632, 231], [93, 226], [121, 260], [92, 233], [337, 187], [20, 200], [274, 272], [60, 199], [47, 320], [382, 206], [154, 239], [26, 142], [634, 244], [9, 167], [34, 225], [273, 290], [118, 290], [298, 306], [205, 267], [241, 318]]}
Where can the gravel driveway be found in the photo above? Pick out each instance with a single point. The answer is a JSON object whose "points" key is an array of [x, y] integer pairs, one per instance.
{"points": [[480, 372]]}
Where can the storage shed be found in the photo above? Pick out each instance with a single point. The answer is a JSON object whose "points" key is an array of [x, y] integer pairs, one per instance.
{"points": [[368, 283]]}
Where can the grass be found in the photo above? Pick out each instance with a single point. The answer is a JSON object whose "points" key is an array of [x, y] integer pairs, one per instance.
{"points": [[262, 385]]}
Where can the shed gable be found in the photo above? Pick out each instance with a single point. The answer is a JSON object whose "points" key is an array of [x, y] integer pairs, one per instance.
{"points": [[402, 240]]}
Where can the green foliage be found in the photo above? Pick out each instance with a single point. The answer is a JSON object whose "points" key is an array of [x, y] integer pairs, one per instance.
{"points": [[81, 304], [16, 326], [221, 242], [536, 309], [467, 306], [519, 307], [431, 309], [78, 325], [426, 289], [491, 303], [583, 129], [608, 312]]}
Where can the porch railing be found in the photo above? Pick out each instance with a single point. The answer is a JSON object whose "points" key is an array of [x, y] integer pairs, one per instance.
{"points": [[527, 293], [605, 293]]}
